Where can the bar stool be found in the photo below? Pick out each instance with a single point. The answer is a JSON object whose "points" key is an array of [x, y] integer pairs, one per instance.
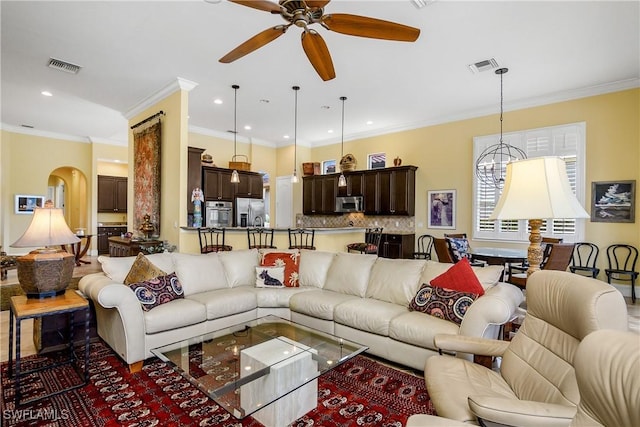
{"points": [[301, 238], [212, 240], [371, 243]]}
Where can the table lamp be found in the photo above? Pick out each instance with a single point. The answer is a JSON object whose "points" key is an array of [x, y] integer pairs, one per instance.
{"points": [[47, 271], [537, 189]]}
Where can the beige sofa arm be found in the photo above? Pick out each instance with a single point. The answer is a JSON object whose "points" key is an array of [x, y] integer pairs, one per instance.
{"points": [[496, 307], [124, 328], [523, 413], [471, 345]]}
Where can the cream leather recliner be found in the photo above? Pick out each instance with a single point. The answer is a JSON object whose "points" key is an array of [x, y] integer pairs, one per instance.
{"points": [[607, 364], [536, 385]]}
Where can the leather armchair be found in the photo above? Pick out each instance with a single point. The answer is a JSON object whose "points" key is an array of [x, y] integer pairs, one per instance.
{"points": [[606, 364], [536, 385]]}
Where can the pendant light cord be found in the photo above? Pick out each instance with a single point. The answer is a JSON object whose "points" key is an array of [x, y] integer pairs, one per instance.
{"points": [[235, 117], [342, 98], [295, 128]]}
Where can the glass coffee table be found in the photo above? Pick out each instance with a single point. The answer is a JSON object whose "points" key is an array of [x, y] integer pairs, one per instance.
{"points": [[266, 368]]}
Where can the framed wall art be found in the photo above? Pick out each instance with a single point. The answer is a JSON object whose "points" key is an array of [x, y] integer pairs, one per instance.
{"points": [[377, 161], [613, 201], [25, 204], [441, 209], [328, 166]]}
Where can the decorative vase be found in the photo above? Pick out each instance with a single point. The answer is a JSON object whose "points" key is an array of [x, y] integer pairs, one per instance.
{"points": [[348, 163], [397, 161]]}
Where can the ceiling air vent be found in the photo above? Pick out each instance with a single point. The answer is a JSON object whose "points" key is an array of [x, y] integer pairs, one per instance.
{"points": [[481, 66], [60, 65]]}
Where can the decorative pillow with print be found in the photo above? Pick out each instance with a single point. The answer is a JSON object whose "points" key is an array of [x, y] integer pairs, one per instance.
{"points": [[270, 277], [443, 303], [141, 270], [289, 260], [160, 290], [459, 248]]}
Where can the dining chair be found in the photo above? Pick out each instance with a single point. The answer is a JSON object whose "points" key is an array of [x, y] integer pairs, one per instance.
{"points": [[260, 238], [622, 262], [425, 245], [584, 259], [301, 238], [458, 247], [212, 239], [371, 244], [442, 250], [559, 259]]}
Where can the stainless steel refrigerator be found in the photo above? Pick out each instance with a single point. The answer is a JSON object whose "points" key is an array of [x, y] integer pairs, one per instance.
{"points": [[249, 212]]}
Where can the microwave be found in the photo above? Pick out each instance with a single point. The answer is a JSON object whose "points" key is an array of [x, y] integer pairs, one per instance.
{"points": [[349, 204]]}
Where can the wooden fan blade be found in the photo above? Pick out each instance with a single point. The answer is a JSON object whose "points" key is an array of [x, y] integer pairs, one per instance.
{"points": [[317, 3], [318, 54], [254, 43], [362, 26], [265, 5]]}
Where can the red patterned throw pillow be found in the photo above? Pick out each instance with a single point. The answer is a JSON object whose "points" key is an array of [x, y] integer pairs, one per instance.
{"points": [[460, 277], [289, 260], [154, 292], [443, 303]]}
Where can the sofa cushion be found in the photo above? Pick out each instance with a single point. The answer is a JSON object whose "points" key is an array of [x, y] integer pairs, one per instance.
{"points": [[349, 274], [460, 277], [320, 304], [289, 260], [278, 298], [200, 273], [443, 303], [314, 266], [395, 280], [157, 291], [419, 329], [117, 268], [174, 315], [239, 266], [226, 302], [270, 277], [369, 315], [142, 269]]}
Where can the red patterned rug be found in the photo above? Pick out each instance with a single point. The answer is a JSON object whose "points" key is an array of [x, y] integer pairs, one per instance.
{"points": [[360, 392]]}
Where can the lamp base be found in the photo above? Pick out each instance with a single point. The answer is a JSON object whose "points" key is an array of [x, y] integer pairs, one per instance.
{"points": [[534, 251], [45, 273]]}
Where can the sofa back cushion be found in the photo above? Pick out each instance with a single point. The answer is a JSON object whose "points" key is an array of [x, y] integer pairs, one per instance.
{"points": [[395, 280], [117, 268], [199, 273], [240, 266], [314, 266], [349, 274]]}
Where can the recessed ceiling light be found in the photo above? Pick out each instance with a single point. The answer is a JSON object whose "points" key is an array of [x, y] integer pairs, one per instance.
{"points": [[46, 93], [286, 137], [369, 122], [330, 131], [217, 101], [247, 127]]}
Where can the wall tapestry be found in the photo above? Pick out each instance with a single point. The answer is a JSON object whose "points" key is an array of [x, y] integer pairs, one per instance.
{"points": [[613, 201], [146, 173]]}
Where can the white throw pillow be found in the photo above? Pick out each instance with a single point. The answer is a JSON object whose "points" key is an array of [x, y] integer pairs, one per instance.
{"points": [[314, 266], [269, 277], [395, 280], [117, 268], [349, 273], [239, 266], [200, 273]]}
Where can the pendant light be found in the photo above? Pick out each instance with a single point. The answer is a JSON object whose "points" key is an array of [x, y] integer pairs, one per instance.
{"points": [[491, 164], [235, 178], [342, 181], [294, 177]]}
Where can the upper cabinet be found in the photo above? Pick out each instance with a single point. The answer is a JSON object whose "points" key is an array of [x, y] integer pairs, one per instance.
{"points": [[319, 194], [355, 184], [217, 185], [250, 185], [112, 194], [194, 174]]}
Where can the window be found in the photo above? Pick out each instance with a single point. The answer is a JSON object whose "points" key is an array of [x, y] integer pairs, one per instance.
{"points": [[377, 160], [566, 142]]}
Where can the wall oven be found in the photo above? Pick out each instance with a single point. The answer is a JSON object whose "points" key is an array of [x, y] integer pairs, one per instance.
{"points": [[219, 214]]}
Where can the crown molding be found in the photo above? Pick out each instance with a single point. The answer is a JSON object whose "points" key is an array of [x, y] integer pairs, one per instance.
{"points": [[107, 141], [44, 134], [151, 100]]}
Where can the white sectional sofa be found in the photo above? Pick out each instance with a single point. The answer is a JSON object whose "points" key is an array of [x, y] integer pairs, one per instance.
{"points": [[357, 297]]}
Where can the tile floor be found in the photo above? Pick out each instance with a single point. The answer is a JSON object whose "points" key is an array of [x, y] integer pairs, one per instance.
{"points": [[28, 348]]}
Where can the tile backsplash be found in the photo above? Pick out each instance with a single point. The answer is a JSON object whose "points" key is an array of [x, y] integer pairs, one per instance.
{"points": [[389, 223]]}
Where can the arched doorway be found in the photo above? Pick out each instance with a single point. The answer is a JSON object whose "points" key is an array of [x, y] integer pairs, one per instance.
{"points": [[67, 188]]}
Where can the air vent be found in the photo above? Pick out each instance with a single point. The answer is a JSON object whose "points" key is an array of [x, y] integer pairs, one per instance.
{"points": [[481, 66], [27, 126], [60, 65], [419, 4]]}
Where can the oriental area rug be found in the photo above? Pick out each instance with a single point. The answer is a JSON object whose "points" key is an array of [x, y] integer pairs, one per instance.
{"points": [[360, 392]]}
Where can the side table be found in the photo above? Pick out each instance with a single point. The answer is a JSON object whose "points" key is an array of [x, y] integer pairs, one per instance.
{"points": [[22, 308]]}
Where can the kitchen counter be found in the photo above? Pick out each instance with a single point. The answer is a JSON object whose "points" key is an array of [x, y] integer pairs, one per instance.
{"points": [[112, 224], [286, 230]]}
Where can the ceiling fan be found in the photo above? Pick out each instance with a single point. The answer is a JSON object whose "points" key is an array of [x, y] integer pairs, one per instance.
{"points": [[303, 13]]}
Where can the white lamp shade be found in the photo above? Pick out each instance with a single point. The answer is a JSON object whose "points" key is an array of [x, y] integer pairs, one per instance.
{"points": [[538, 188], [48, 228]]}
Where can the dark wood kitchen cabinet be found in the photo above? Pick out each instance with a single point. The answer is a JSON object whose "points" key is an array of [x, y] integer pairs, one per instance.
{"points": [[354, 184], [194, 173], [390, 191], [319, 194], [250, 185], [216, 184], [397, 245], [112, 194], [103, 237]]}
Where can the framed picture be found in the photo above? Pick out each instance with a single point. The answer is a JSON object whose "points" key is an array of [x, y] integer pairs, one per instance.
{"points": [[377, 160], [328, 166], [613, 201], [26, 204], [441, 209]]}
